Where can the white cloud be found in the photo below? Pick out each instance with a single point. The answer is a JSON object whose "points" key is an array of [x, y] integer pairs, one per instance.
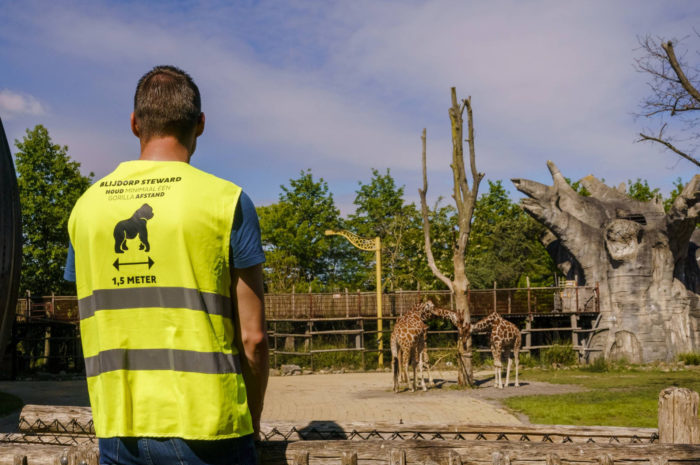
{"points": [[348, 86], [16, 103]]}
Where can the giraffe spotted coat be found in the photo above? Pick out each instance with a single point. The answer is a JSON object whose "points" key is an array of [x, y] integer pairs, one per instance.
{"points": [[505, 339], [408, 343]]}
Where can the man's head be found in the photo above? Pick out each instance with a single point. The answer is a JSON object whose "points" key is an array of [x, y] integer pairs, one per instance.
{"points": [[167, 103]]}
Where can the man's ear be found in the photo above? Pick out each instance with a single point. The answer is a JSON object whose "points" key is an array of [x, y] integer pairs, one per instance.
{"points": [[200, 125], [134, 126]]}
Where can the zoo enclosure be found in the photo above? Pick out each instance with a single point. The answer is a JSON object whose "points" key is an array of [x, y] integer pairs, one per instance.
{"points": [[305, 328]]}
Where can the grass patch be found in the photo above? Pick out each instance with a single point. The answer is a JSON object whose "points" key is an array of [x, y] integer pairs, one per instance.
{"points": [[690, 358], [617, 396], [9, 403]]}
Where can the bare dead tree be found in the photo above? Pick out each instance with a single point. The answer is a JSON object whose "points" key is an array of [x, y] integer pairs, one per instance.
{"points": [[674, 95], [465, 199]]}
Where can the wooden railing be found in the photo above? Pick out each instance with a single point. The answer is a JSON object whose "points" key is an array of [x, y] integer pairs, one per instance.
{"points": [[56, 434], [514, 301]]}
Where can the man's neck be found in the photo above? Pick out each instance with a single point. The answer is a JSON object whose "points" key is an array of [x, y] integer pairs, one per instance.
{"points": [[166, 148]]}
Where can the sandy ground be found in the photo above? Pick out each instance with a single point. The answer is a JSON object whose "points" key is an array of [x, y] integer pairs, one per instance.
{"points": [[344, 397]]}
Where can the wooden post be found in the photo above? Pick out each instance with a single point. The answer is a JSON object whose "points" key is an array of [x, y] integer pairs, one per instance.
{"points": [[528, 334], [494, 297], [452, 300], [362, 336], [359, 303], [311, 303], [311, 344], [349, 458], [597, 297], [574, 334], [274, 339], [509, 309], [577, 309], [527, 280], [678, 416], [294, 309], [397, 457], [347, 304], [301, 458]]}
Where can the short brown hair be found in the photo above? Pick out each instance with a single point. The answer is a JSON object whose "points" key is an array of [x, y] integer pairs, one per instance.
{"points": [[166, 102]]}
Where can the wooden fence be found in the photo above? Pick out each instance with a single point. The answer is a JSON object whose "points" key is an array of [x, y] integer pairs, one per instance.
{"points": [[514, 301], [56, 435], [305, 341]]}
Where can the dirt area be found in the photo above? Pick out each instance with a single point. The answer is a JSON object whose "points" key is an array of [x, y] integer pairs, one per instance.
{"points": [[338, 397]]}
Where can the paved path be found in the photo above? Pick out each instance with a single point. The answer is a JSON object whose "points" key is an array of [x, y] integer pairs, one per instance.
{"points": [[334, 397]]}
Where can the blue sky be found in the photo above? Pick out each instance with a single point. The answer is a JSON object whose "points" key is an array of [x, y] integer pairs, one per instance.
{"points": [[344, 87]]}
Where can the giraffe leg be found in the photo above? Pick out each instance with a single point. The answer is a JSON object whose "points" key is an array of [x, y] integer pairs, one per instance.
{"points": [[516, 357], [421, 352], [395, 371], [508, 370], [413, 365], [497, 365], [426, 361]]}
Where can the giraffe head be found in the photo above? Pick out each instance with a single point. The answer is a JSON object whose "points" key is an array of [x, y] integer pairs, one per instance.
{"points": [[426, 309]]}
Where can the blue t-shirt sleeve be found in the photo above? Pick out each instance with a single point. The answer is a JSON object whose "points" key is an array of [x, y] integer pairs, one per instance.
{"points": [[69, 270], [246, 245]]}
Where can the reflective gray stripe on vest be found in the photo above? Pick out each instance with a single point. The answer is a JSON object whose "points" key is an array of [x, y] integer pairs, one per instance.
{"points": [[162, 359], [165, 297]]}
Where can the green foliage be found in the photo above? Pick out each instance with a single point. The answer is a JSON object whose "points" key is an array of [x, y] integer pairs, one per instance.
{"points": [[527, 360], [690, 358], [504, 244], [49, 185], [599, 365], [298, 252], [578, 187], [640, 190], [561, 354], [678, 186], [381, 212]]}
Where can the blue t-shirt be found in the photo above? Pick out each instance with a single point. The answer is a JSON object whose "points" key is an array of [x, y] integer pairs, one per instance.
{"points": [[246, 245]]}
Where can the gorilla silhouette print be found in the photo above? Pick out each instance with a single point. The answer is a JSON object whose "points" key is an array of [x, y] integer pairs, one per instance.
{"points": [[132, 227]]}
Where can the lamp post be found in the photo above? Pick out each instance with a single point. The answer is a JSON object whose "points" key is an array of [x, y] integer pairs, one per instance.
{"points": [[376, 246]]}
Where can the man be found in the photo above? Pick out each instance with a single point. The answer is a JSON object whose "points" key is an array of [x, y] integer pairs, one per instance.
{"points": [[167, 261]]}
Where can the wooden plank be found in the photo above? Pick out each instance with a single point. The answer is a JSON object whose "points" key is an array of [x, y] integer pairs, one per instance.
{"points": [[77, 420], [326, 452]]}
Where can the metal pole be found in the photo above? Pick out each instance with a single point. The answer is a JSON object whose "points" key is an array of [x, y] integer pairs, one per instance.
{"points": [[380, 334]]}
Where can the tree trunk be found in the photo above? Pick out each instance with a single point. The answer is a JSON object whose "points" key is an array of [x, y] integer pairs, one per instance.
{"points": [[465, 199], [637, 253]]}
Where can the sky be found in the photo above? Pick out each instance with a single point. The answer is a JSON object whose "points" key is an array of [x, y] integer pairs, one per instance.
{"points": [[342, 87]]}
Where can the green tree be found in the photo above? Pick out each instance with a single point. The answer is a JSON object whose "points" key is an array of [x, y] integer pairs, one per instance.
{"points": [[504, 244], [298, 252], [49, 184], [381, 212], [640, 190]]}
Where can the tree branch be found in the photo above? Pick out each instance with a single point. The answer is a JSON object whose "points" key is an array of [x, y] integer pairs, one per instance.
{"points": [[426, 222], [670, 146], [682, 78]]}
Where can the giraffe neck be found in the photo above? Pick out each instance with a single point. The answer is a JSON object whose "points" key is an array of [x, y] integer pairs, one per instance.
{"points": [[447, 315]]}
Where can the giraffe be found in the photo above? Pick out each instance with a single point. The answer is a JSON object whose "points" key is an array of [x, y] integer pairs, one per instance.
{"points": [[505, 337], [408, 343]]}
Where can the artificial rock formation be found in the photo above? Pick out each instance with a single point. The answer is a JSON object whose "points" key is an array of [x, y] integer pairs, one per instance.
{"points": [[641, 257]]}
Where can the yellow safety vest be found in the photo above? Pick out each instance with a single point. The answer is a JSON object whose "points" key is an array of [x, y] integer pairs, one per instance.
{"points": [[151, 243]]}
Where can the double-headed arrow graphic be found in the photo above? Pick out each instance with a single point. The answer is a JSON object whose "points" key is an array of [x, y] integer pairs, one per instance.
{"points": [[116, 263]]}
